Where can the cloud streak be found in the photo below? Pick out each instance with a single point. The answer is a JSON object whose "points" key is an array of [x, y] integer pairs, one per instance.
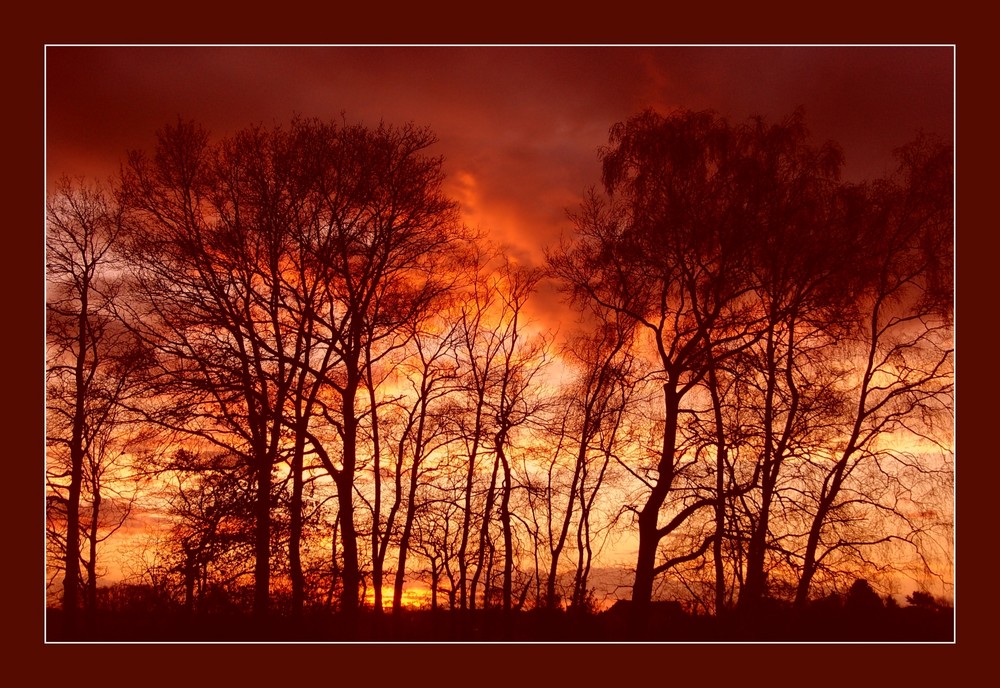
{"points": [[519, 126]]}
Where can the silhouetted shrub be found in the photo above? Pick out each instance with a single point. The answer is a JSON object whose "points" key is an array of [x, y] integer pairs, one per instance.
{"points": [[862, 599]]}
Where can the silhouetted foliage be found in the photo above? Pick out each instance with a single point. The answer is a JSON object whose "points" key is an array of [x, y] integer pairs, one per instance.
{"points": [[267, 268], [337, 391], [861, 599], [92, 368], [752, 273]]}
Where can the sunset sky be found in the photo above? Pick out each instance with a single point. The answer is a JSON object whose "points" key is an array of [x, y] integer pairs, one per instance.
{"points": [[519, 127]]}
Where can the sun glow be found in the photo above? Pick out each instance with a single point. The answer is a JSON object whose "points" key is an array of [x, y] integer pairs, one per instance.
{"points": [[413, 597]]}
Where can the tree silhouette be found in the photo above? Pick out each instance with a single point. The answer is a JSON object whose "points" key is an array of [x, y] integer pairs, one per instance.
{"points": [[900, 338], [92, 367], [666, 249], [502, 359], [748, 270], [593, 412], [332, 385], [795, 253], [862, 599], [431, 375], [268, 268], [213, 506], [388, 231], [209, 226]]}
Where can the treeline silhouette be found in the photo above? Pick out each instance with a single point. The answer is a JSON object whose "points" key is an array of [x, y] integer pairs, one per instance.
{"points": [[282, 357], [141, 613]]}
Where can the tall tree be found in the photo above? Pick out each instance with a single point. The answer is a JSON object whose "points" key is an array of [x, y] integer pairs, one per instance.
{"points": [[898, 358], [268, 267], [424, 434], [665, 248], [419, 364], [210, 231], [389, 232], [501, 360], [797, 256], [91, 367], [593, 409]]}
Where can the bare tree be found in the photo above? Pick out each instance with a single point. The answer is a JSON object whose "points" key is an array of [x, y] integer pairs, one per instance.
{"points": [[515, 402], [797, 257], [213, 533], [476, 363], [503, 363], [593, 409], [388, 234], [420, 364], [210, 230], [269, 267], [425, 433], [665, 249], [898, 367], [92, 364]]}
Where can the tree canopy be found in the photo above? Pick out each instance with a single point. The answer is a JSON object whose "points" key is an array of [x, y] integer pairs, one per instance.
{"points": [[285, 342]]}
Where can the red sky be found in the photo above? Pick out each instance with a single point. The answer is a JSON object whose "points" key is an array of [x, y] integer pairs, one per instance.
{"points": [[519, 126]]}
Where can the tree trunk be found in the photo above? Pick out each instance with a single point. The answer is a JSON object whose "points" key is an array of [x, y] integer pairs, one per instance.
{"points": [[378, 551], [404, 541], [435, 581], [350, 574], [190, 572], [809, 561], [90, 600], [508, 539], [295, 528], [775, 447], [350, 602], [831, 488], [720, 495], [556, 551], [649, 535], [71, 581], [262, 540], [463, 561], [484, 536], [755, 587]]}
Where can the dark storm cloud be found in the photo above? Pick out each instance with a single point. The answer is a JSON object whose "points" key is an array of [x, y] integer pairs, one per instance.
{"points": [[519, 126]]}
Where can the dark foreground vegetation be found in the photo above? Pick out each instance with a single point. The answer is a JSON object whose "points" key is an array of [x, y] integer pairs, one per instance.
{"points": [[860, 616]]}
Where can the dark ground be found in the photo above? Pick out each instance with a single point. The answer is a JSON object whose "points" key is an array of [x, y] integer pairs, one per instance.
{"points": [[666, 623]]}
